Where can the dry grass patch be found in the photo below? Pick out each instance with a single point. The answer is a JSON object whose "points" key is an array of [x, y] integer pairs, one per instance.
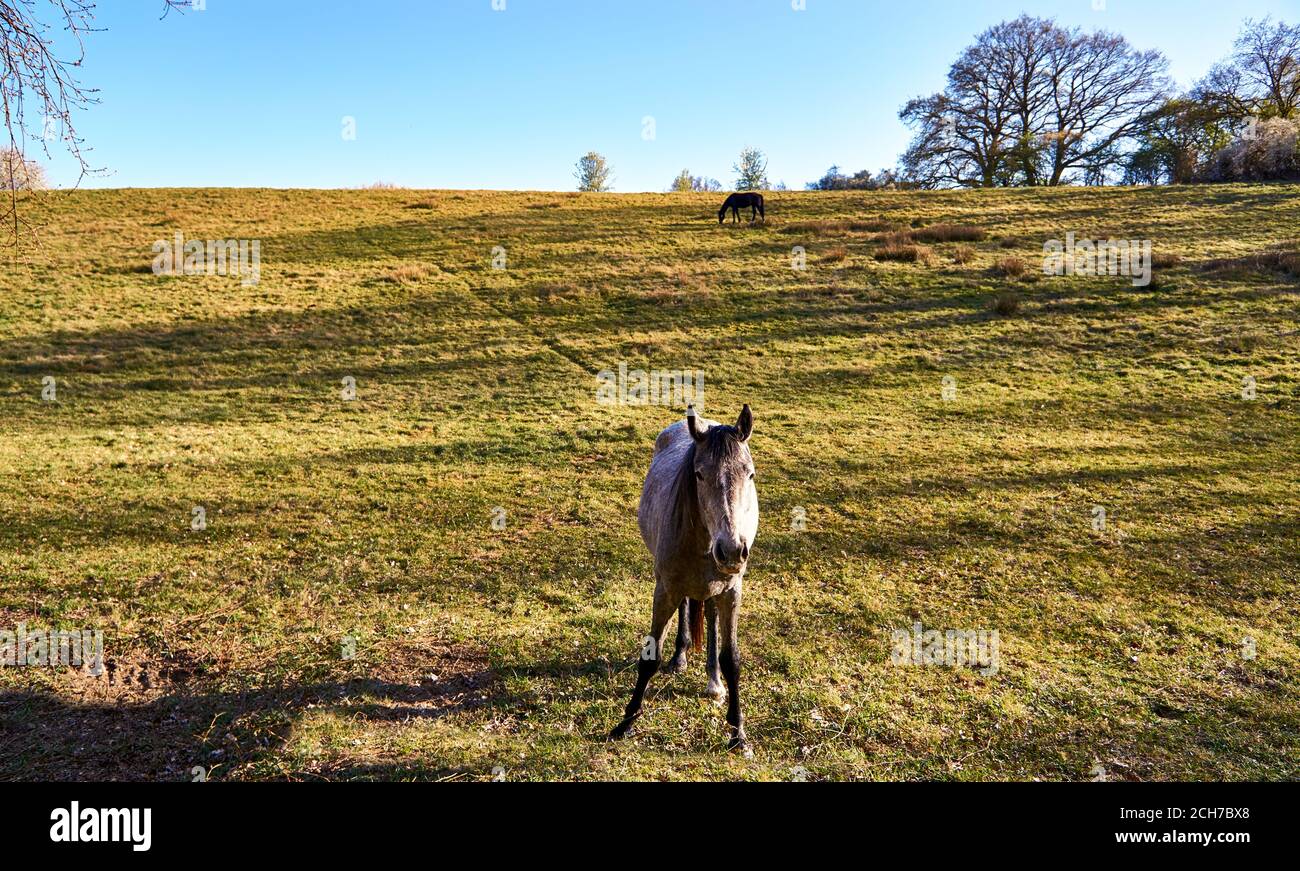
{"points": [[899, 247], [407, 273], [1006, 303], [1011, 267], [949, 233], [835, 255], [963, 254]]}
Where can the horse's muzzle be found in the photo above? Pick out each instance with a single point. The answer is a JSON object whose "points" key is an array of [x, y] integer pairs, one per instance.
{"points": [[730, 557]]}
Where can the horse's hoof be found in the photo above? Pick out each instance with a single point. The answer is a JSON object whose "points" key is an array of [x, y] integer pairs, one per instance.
{"points": [[741, 746], [676, 665], [716, 692], [618, 732]]}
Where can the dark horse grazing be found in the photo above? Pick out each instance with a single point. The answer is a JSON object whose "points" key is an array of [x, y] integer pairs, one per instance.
{"points": [[698, 517], [736, 202]]}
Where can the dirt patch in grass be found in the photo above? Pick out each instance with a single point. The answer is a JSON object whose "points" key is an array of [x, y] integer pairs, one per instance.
{"points": [[154, 719]]}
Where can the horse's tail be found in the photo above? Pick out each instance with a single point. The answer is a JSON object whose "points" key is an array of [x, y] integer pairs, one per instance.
{"points": [[696, 609]]}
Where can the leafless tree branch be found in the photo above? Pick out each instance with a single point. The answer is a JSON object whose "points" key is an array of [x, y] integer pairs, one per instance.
{"points": [[40, 91]]}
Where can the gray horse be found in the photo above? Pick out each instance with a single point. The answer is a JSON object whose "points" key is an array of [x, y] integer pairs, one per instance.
{"points": [[698, 517]]}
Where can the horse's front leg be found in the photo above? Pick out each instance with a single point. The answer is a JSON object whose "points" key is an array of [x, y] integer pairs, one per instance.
{"points": [[648, 663], [728, 619], [678, 662], [715, 690]]}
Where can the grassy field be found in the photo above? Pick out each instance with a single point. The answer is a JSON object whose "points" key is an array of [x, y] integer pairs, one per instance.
{"points": [[351, 611]]}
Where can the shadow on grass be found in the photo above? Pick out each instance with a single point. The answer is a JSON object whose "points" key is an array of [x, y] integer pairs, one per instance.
{"points": [[121, 729], [149, 718]]}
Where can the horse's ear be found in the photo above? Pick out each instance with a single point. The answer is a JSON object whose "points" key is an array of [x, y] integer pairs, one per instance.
{"points": [[696, 432], [745, 423]]}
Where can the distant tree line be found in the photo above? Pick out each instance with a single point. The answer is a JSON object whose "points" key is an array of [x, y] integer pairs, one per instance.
{"points": [[594, 174], [685, 182], [750, 169], [863, 180], [1033, 103]]}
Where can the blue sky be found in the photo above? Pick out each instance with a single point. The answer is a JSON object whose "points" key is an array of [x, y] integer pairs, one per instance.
{"points": [[452, 94]]}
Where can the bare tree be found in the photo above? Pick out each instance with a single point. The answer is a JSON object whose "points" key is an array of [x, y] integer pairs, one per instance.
{"points": [[1030, 103], [1262, 76], [934, 157], [1013, 57], [1103, 93], [988, 127], [964, 135]]}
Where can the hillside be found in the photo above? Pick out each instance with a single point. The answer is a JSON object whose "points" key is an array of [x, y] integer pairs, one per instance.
{"points": [[351, 610]]}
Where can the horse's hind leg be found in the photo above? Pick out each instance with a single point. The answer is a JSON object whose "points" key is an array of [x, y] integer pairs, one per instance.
{"points": [[678, 662], [648, 662], [715, 690]]}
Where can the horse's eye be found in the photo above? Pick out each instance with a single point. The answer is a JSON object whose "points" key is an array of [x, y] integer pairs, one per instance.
{"points": [[699, 476], [751, 476]]}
